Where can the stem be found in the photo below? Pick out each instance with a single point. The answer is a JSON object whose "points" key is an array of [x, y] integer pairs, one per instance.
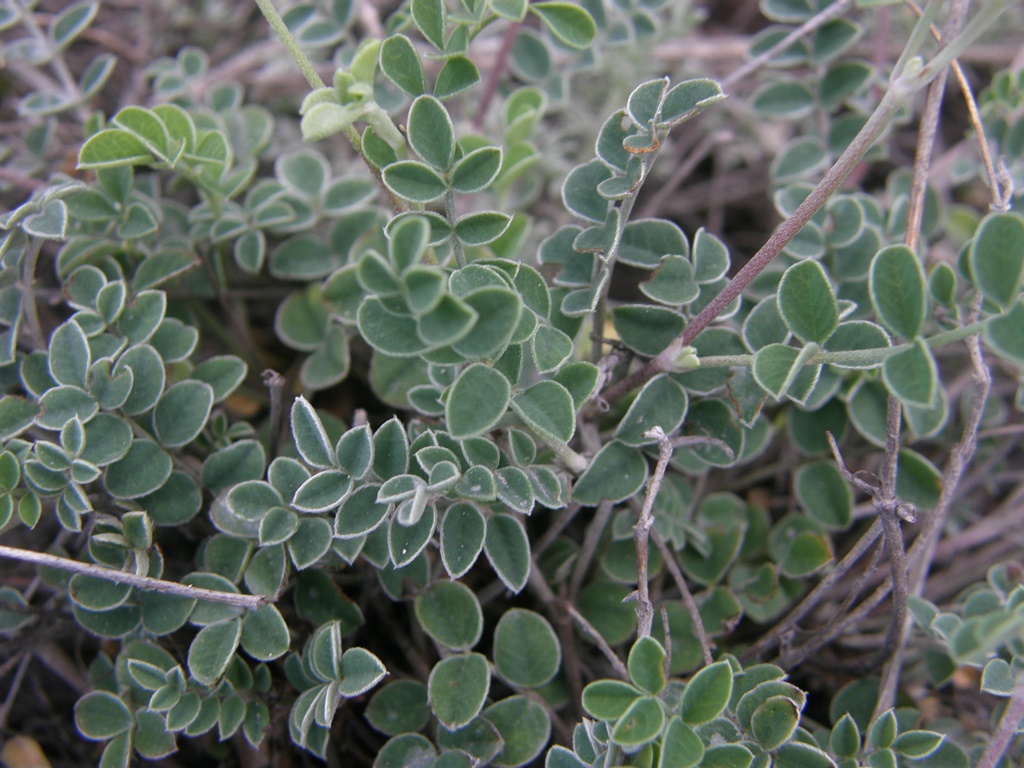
{"points": [[602, 644], [836, 175], [1004, 732], [449, 209], [29, 309], [688, 602], [286, 36], [494, 76], [139, 582], [59, 66], [642, 532], [833, 11], [274, 382]]}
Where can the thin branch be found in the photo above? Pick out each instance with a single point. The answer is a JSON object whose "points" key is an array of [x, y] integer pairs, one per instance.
{"points": [[1007, 728], [589, 547], [494, 76], [816, 595], [602, 644], [833, 11], [688, 602], [139, 582], [642, 532], [786, 231], [12, 692], [274, 382]]}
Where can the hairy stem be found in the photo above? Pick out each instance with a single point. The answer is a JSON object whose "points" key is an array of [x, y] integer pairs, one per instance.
{"points": [[1007, 728], [139, 582]]}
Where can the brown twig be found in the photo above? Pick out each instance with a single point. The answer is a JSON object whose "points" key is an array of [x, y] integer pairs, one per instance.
{"points": [[274, 382], [494, 76], [602, 644], [688, 602]]}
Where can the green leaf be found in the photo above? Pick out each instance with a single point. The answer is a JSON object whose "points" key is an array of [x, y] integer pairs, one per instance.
{"points": [[808, 553], [918, 481], [498, 311], [141, 471], [579, 191], [609, 699], [431, 133], [71, 22], [662, 402], [1005, 333], [401, 65], [431, 17], [672, 282], [223, 373], [795, 754], [807, 303], [912, 375], [997, 677], [182, 412], [143, 315], [310, 542], [390, 450], [899, 292], [264, 633], [407, 749], [551, 348], [918, 744], [462, 536], [399, 707], [476, 401], [689, 98], [458, 75], [645, 242], [50, 223], [524, 727], [526, 649], [845, 738], [996, 257], [69, 356], [774, 722], [508, 550], [825, 495], [514, 10], [782, 370], [112, 148], [547, 409], [414, 181], [360, 671], [706, 694], [457, 689], [854, 335], [681, 746], [482, 227], [646, 665], [450, 613], [212, 650], [476, 170], [647, 329], [100, 715], [615, 473], [788, 99], [640, 723], [568, 22], [310, 436], [322, 492]]}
